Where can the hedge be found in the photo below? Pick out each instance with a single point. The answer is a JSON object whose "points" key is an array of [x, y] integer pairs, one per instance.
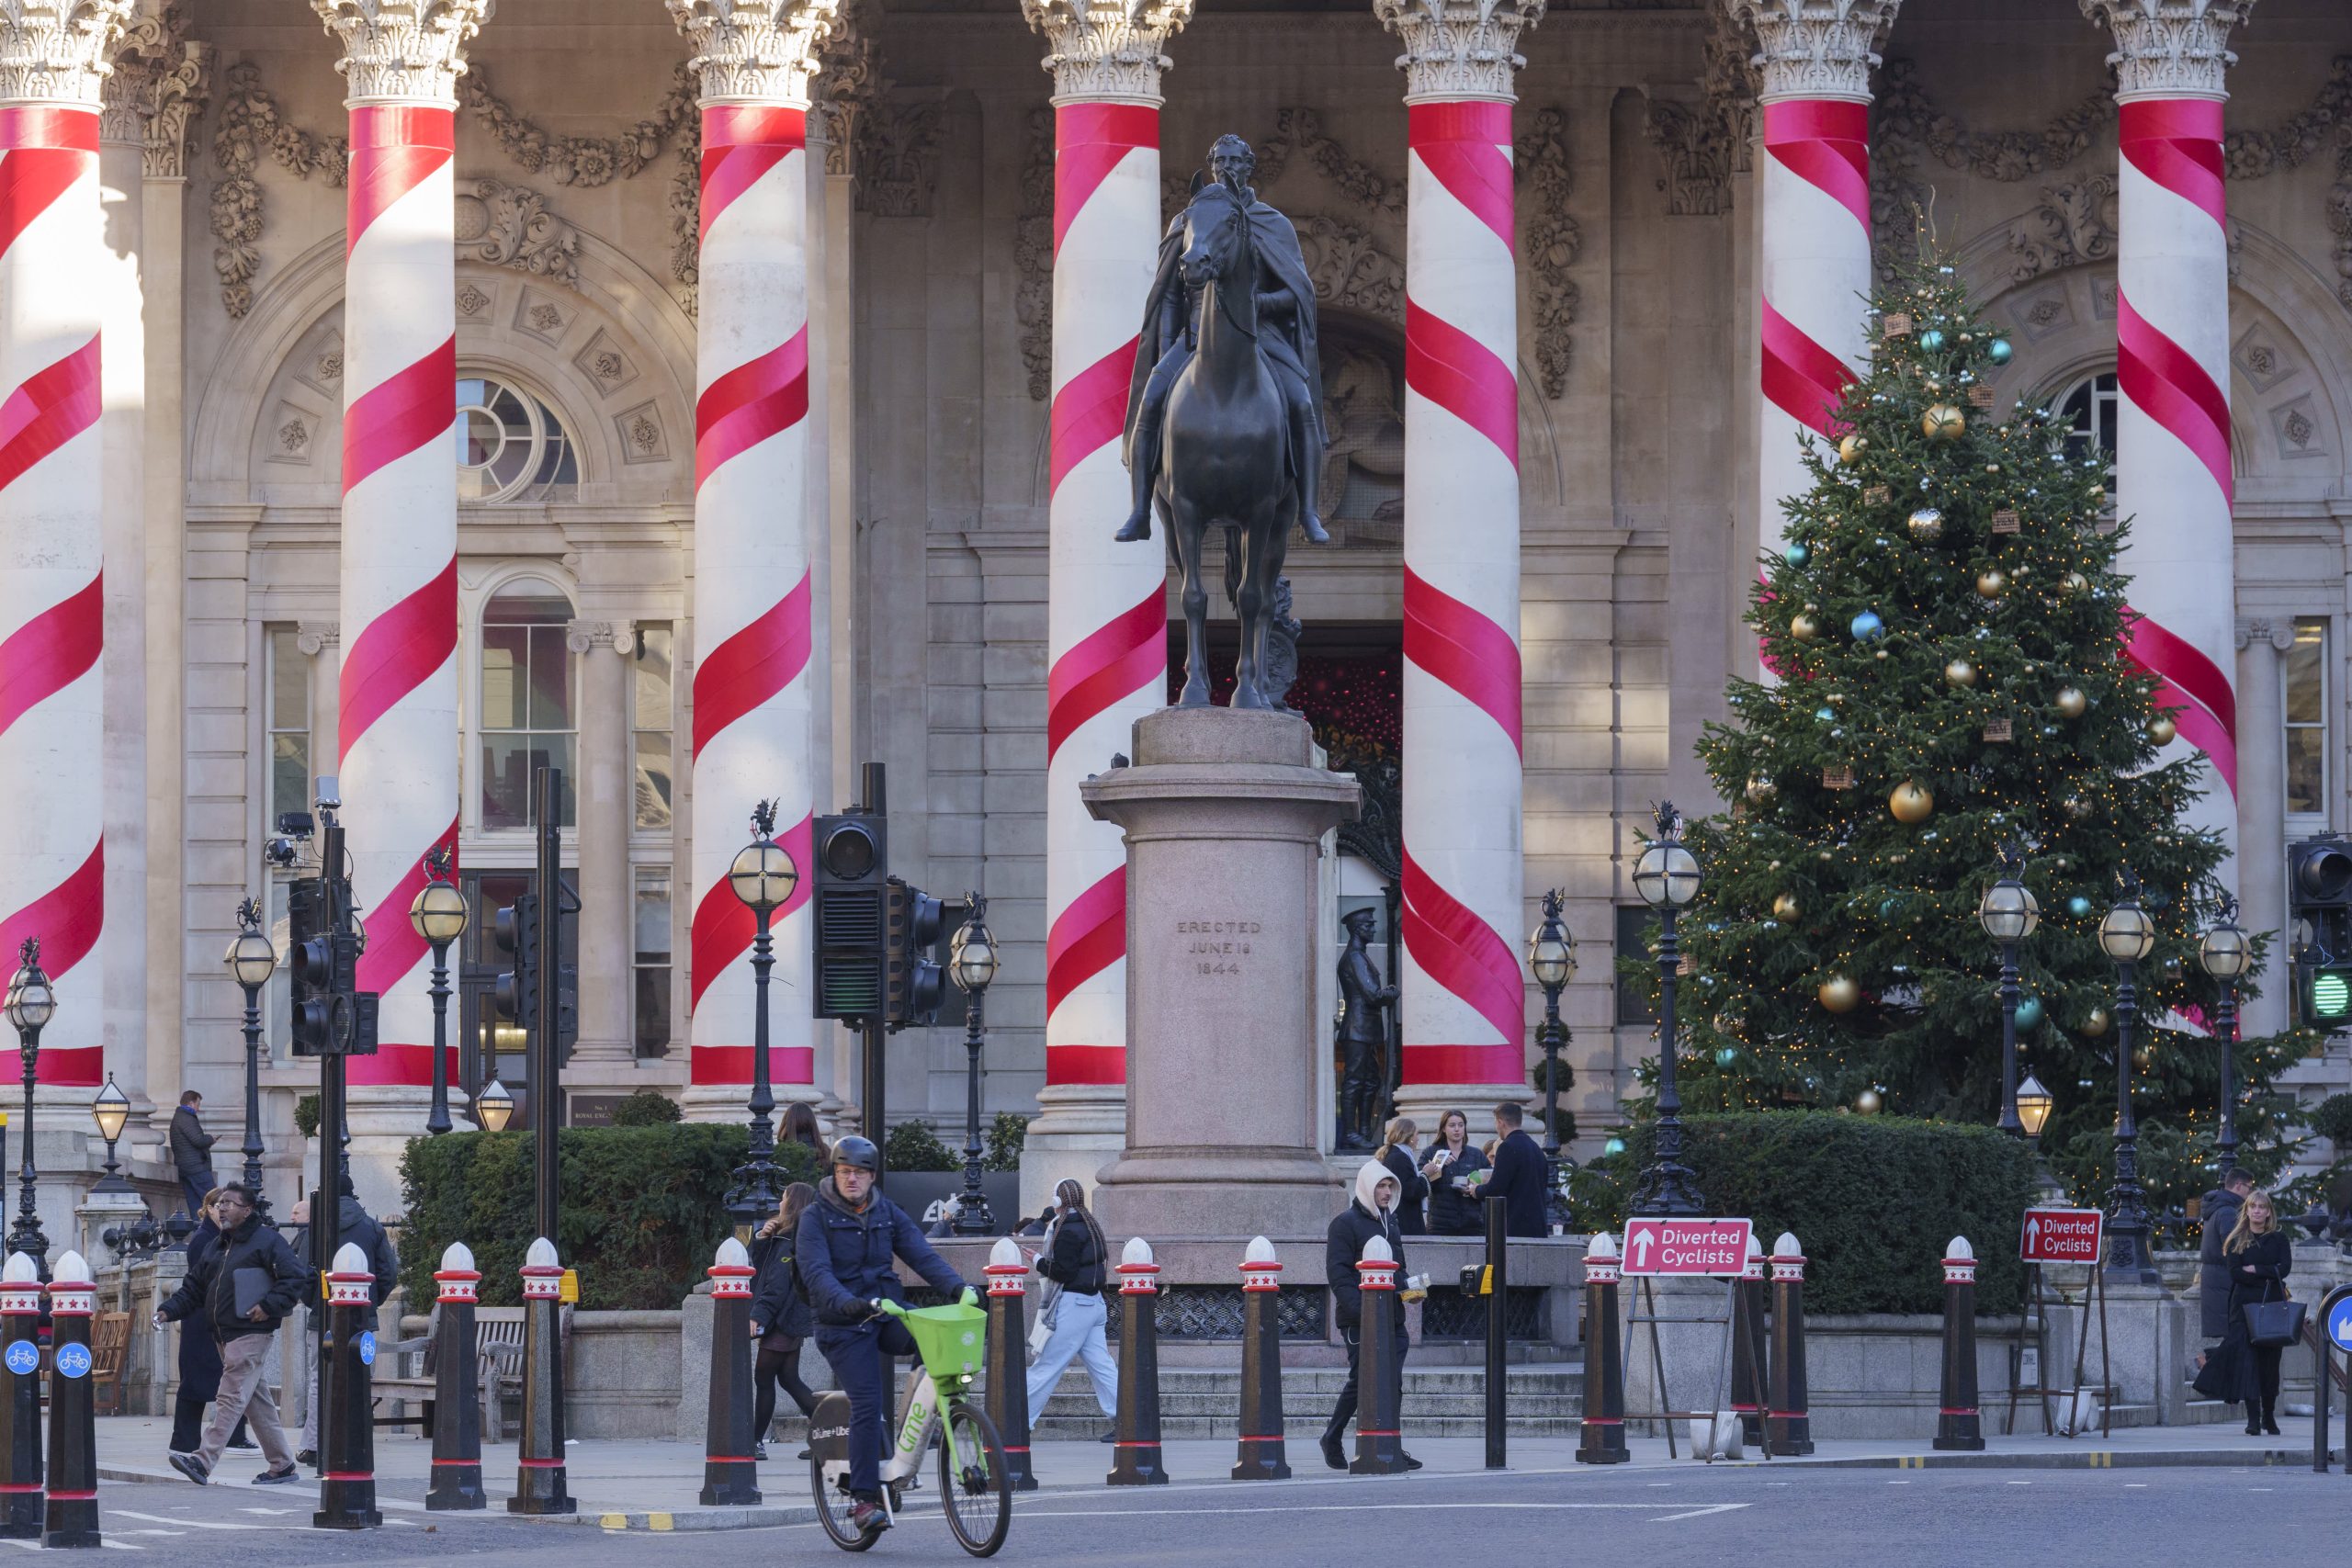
{"points": [[641, 1212], [1872, 1200]]}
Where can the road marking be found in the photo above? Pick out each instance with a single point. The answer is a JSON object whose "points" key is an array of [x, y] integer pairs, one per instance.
{"points": [[1700, 1512], [1898, 1483], [113, 1545], [194, 1524], [1393, 1507]]}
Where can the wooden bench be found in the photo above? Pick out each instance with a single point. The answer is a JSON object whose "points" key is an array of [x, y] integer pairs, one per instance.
{"points": [[498, 1361], [109, 1354]]}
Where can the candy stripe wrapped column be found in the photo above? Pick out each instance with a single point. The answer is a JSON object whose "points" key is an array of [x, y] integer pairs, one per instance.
{"points": [[52, 864], [1464, 1006], [2172, 331], [752, 597]]}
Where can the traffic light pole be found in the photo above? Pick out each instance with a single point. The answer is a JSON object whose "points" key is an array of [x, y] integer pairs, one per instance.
{"points": [[874, 784], [327, 1203], [546, 1045]]}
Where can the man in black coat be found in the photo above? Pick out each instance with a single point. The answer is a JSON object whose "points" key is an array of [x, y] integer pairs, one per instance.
{"points": [[1519, 1175], [358, 1228], [249, 1257], [1371, 1213], [192, 1152]]}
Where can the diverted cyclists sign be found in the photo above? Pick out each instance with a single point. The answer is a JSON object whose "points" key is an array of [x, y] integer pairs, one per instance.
{"points": [[1687, 1246], [2061, 1235]]}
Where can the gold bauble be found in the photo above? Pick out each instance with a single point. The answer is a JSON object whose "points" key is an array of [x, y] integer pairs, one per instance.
{"points": [[1991, 583], [2095, 1026], [2073, 583], [1760, 791], [2071, 704], [1943, 422], [1785, 908], [1960, 672], [1839, 994], [1804, 628], [2099, 490], [1911, 803], [1868, 1103], [1851, 445], [1927, 525], [2161, 730], [2142, 1057], [2076, 809]]}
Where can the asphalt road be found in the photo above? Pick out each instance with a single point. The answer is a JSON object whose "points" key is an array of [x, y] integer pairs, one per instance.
{"points": [[1822, 1518]]}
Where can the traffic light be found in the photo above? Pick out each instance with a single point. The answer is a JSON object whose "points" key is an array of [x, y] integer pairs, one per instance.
{"points": [[325, 965], [914, 982], [849, 897], [2319, 914], [515, 931]]}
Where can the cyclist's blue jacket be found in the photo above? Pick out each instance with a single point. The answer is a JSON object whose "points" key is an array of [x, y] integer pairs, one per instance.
{"points": [[844, 1256]]}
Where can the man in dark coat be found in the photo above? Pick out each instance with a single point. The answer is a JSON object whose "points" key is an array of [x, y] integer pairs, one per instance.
{"points": [[1519, 1175], [192, 1152], [356, 1227], [1287, 338], [2217, 1212], [252, 1250], [1372, 1212]]}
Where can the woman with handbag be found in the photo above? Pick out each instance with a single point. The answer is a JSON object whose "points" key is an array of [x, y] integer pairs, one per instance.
{"points": [[2263, 1322], [781, 1319], [1070, 1313]]}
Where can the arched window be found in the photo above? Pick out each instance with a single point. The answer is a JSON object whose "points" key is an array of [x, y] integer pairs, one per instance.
{"points": [[2087, 412], [511, 447], [527, 701]]}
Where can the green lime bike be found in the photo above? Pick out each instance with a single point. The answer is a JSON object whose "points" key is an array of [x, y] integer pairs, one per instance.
{"points": [[975, 1487]]}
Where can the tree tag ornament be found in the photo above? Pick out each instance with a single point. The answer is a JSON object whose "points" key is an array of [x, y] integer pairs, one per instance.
{"points": [[1996, 729], [1876, 495], [2005, 522], [1837, 778], [1980, 396], [1898, 324]]}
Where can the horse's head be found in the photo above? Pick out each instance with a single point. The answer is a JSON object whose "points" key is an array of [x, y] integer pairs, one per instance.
{"points": [[1217, 226]]}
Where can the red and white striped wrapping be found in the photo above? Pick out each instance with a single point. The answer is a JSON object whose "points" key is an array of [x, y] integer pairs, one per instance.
{"points": [[52, 860], [1106, 611], [751, 698], [1464, 997]]}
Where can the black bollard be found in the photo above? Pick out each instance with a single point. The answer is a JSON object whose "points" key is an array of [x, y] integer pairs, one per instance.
{"points": [[540, 1485], [1007, 1405], [20, 1467], [457, 1389], [1380, 1447], [347, 1421], [1790, 1427], [1602, 1438], [730, 1477], [1135, 1439], [1958, 1424], [1497, 1331], [72, 1516], [1260, 1455], [1748, 1377]]}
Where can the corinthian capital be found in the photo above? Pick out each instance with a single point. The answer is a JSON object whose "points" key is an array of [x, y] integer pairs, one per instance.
{"points": [[1107, 49], [402, 50], [755, 50], [1459, 48], [58, 52], [1817, 48], [2169, 48]]}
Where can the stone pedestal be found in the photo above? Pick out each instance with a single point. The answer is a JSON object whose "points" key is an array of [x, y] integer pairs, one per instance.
{"points": [[1224, 814]]}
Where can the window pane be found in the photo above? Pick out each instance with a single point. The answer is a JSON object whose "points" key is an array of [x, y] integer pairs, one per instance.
{"points": [[290, 681], [509, 761], [2306, 770], [653, 914], [504, 652], [652, 781], [654, 671], [528, 602], [653, 1011], [550, 679], [2304, 680], [290, 774]]}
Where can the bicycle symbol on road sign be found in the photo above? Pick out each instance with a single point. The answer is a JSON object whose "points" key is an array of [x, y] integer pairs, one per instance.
{"points": [[73, 1360], [23, 1357]]}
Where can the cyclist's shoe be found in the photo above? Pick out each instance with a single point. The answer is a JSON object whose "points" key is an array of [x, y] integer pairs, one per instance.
{"points": [[869, 1517]]}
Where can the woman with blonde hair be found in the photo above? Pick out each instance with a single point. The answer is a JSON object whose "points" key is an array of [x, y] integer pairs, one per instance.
{"points": [[2258, 1258], [1395, 1153]]}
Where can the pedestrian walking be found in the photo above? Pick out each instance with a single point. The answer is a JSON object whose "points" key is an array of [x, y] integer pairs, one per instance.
{"points": [[192, 1153], [1520, 1174], [1396, 1151], [244, 1286], [1450, 1164], [800, 1127], [2217, 1211], [2259, 1257], [357, 1227], [1370, 1212], [781, 1320], [1075, 1261], [199, 1356]]}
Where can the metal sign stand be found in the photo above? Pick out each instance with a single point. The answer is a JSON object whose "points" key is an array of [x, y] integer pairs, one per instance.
{"points": [[2098, 1286], [2032, 1325], [2318, 1333], [1734, 1322]]}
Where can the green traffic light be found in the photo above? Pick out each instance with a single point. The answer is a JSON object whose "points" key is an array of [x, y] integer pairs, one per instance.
{"points": [[2331, 994]]}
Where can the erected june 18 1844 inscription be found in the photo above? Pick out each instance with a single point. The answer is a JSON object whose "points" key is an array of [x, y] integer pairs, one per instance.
{"points": [[1217, 947]]}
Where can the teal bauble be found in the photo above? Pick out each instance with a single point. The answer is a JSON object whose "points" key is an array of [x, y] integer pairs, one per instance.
{"points": [[1931, 341], [2028, 1012], [2078, 907], [1796, 555], [1726, 1056], [1613, 1146], [1998, 350], [1867, 626], [1826, 715]]}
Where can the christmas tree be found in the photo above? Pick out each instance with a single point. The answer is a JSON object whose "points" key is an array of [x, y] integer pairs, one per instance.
{"points": [[1943, 629]]}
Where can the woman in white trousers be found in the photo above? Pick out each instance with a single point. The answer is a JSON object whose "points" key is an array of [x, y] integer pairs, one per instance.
{"points": [[1074, 1262]]}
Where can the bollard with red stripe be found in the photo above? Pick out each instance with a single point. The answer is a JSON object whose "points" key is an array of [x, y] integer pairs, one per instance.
{"points": [[1135, 1435], [72, 1516], [348, 1423], [1380, 1436], [1789, 1423], [1749, 1359], [457, 1388], [730, 1476], [1603, 1436], [1262, 1455], [1959, 1426], [540, 1483], [1007, 1406], [20, 1467]]}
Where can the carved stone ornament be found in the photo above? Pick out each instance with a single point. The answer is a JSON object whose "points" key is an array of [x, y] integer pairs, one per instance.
{"points": [[1459, 48], [248, 127], [314, 638], [755, 50], [1817, 48], [1107, 50], [2169, 48], [159, 83], [1033, 256], [582, 637], [2075, 223], [1549, 244], [848, 87], [579, 160], [58, 52], [1350, 268], [401, 50], [1697, 180], [2279, 635], [510, 226], [2325, 126], [898, 162]]}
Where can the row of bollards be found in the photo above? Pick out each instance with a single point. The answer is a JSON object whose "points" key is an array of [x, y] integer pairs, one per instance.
{"points": [[540, 1480], [57, 1503]]}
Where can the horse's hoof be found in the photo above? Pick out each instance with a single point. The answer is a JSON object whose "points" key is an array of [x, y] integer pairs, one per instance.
{"points": [[1195, 698]]}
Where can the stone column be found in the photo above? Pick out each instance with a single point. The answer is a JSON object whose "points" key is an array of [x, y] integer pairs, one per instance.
{"points": [[2262, 825], [397, 702], [607, 810], [53, 56], [321, 643], [1463, 995], [1106, 615], [752, 589], [2172, 340]]}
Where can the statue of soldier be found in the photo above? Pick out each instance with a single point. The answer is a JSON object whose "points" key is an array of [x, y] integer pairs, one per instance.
{"points": [[1286, 338], [1364, 1078]]}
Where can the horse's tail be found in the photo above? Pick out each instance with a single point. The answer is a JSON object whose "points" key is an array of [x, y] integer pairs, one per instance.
{"points": [[1233, 565]]}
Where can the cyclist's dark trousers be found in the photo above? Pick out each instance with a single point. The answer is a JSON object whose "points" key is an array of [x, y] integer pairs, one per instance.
{"points": [[855, 1355]]}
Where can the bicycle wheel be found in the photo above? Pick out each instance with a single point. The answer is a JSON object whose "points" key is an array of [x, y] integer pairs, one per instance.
{"points": [[833, 1505], [973, 1486]]}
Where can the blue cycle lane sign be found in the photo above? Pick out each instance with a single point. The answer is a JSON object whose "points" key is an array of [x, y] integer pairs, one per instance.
{"points": [[23, 1357], [73, 1360], [2339, 1324]]}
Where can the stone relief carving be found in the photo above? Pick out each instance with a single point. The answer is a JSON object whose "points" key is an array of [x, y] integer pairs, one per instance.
{"points": [[248, 127], [2325, 125], [1350, 268], [2075, 223], [755, 49], [1705, 142], [848, 87], [1107, 49], [1903, 113], [580, 159], [510, 226], [1301, 131], [402, 48], [1033, 255], [2171, 46], [898, 163], [160, 83], [1549, 243], [58, 52], [1818, 47], [1459, 48]]}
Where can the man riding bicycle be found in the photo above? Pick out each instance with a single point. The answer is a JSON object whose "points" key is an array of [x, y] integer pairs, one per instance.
{"points": [[846, 1244]]}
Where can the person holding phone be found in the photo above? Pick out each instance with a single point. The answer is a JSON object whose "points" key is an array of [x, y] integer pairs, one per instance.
{"points": [[1451, 1166]]}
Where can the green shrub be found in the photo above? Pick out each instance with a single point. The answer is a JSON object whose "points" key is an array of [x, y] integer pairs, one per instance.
{"points": [[1008, 1135], [306, 1115], [1872, 1200], [646, 1108], [1565, 1074], [913, 1146], [2332, 1119]]}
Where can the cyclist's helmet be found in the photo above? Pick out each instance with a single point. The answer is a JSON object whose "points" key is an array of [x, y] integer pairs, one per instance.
{"points": [[858, 1152]]}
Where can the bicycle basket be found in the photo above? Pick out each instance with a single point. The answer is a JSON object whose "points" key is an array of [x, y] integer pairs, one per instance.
{"points": [[951, 1340]]}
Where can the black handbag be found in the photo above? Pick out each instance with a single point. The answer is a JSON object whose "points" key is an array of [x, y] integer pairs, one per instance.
{"points": [[2274, 1324]]}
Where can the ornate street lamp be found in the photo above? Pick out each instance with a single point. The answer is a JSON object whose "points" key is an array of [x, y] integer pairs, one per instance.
{"points": [[763, 877], [494, 1106], [31, 1004], [439, 916], [1667, 877], [110, 1110], [252, 960], [1551, 959], [2227, 955], [2127, 935], [2009, 914], [971, 958], [2034, 1103]]}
